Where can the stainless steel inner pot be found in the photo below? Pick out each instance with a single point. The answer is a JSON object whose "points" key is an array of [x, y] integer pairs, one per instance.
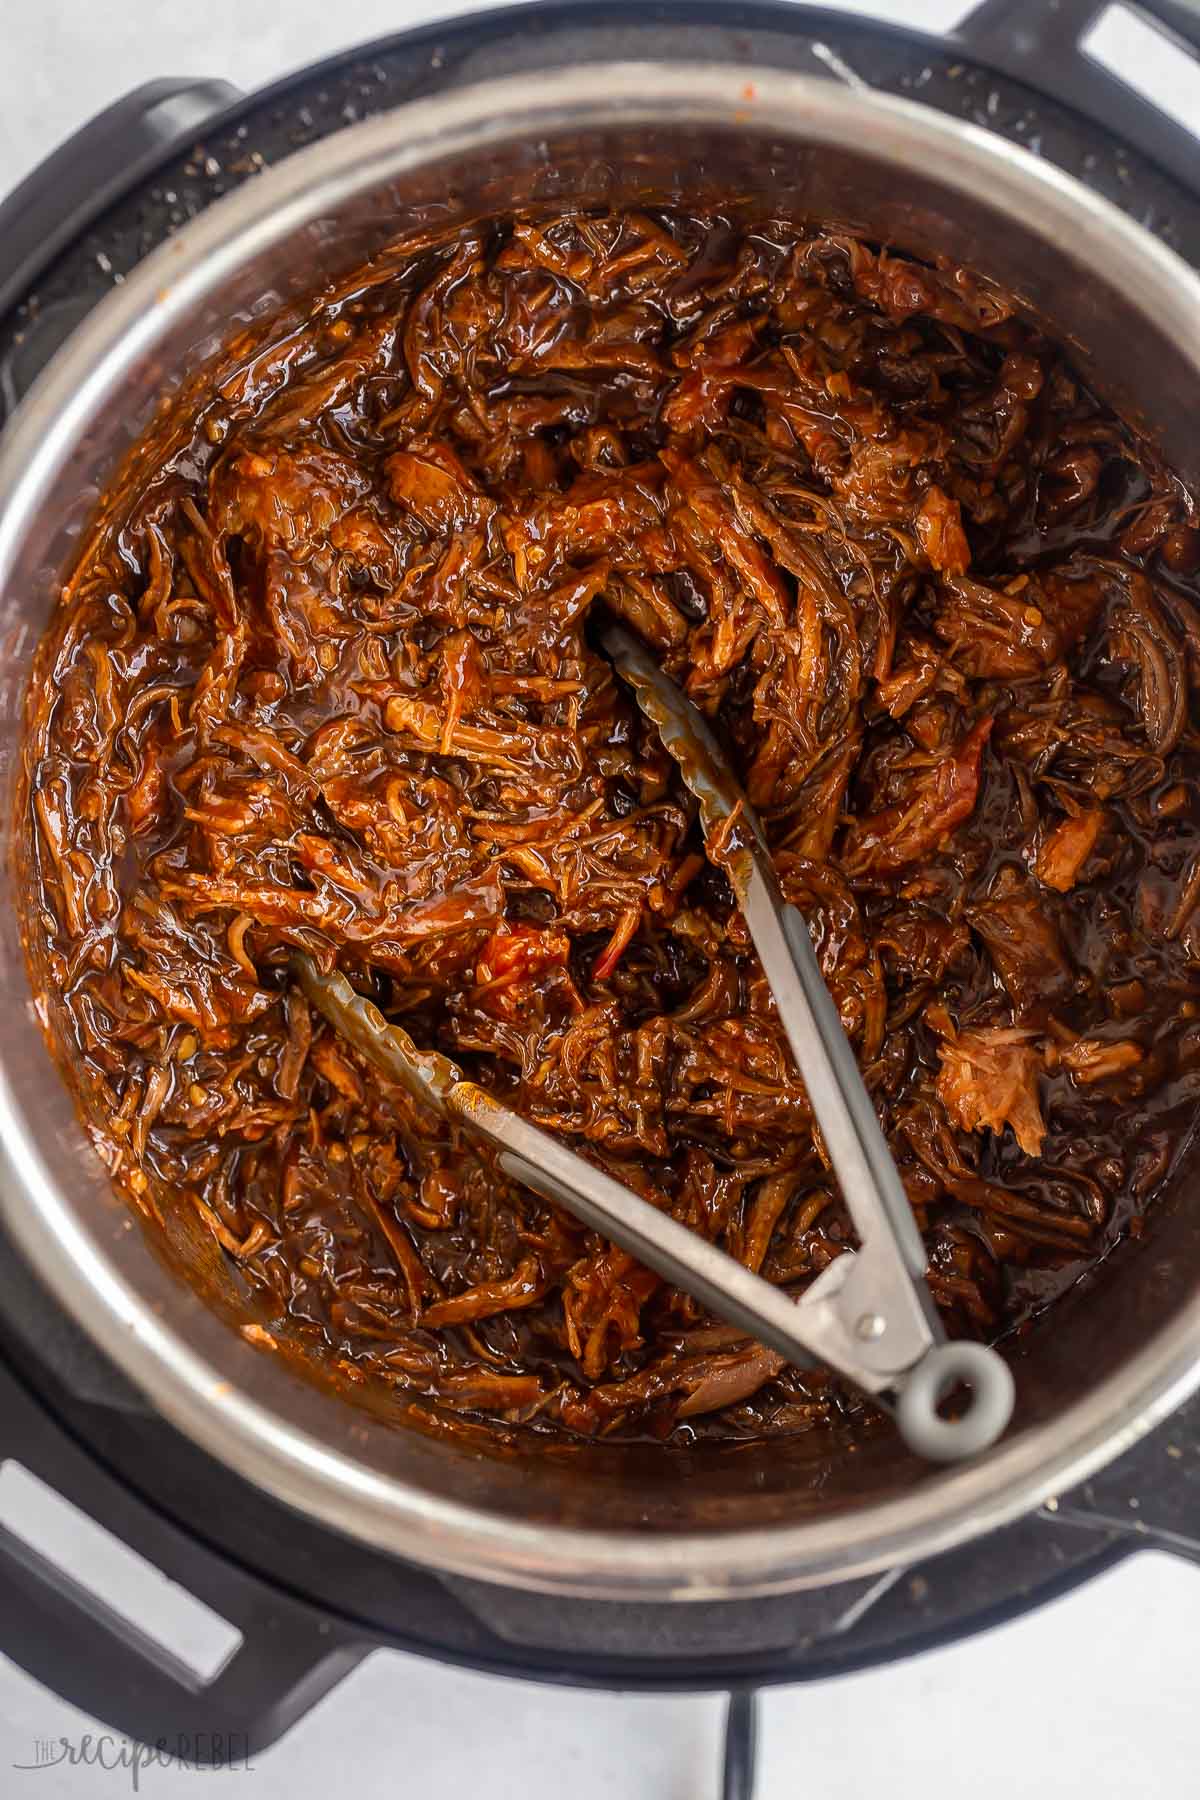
{"points": [[603, 1523]]}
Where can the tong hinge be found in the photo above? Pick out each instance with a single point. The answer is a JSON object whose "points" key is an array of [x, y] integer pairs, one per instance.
{"points": [[869, 1317]]}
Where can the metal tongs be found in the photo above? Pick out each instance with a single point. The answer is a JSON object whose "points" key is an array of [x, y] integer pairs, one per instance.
{"points": [[868, 1316]]}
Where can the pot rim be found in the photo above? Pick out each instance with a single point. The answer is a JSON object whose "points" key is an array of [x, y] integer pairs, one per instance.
{"points": [[74, 1259]]}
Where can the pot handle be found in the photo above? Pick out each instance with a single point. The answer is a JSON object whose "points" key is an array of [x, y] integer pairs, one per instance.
{"points": [[1042, 46], [103, 160], [65, 1637], [1148, 1499]]}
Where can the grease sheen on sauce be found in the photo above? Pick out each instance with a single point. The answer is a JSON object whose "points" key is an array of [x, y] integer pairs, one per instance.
{"points": [[325, 678]]}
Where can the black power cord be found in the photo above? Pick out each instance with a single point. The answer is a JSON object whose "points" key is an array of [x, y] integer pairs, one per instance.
{"points": [[741, 1745]]}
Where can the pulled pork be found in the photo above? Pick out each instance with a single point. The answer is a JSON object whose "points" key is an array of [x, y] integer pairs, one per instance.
{"points": [[324, 676]]}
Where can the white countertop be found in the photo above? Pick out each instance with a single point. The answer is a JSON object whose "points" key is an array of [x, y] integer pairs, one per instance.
{"points": [[1092, 1698]]}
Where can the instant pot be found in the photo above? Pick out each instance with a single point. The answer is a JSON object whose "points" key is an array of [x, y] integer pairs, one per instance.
{"points": [[316, 1530]]}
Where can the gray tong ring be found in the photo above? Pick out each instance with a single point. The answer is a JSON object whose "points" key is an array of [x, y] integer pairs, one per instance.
{"points": [[931, 1380]]}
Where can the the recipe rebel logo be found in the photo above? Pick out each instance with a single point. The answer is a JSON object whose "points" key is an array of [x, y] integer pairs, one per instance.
{"points": [[205, 1752]]}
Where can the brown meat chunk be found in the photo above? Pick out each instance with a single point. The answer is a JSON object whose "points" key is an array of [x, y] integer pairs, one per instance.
{"points": [[940, 802], [1094, 1059], [436, 488], [1026, 949], [919, 945], [1017, 630], [989, 1079], [940, 534], [1065, 849]]}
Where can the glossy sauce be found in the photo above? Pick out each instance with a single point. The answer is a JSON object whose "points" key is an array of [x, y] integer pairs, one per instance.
{"points": [[325, 678]]}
